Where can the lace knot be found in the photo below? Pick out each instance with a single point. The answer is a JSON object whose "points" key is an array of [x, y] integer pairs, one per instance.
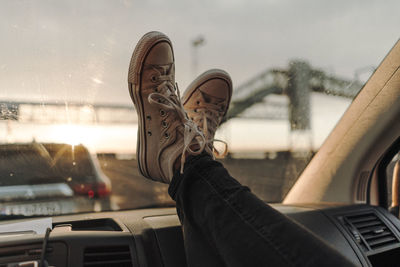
{"points": [[192, 136]]}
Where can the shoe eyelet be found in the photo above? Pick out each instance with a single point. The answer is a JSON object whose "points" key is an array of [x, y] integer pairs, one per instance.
{"points": [[153, 78], [198, 102], [148, 117], [166, 135], [164, 124], [195, 110], [149, 133], [156, 89], [162, 113]]}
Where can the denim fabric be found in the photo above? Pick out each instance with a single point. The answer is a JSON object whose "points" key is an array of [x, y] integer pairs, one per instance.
{"points": [[224, 224]]}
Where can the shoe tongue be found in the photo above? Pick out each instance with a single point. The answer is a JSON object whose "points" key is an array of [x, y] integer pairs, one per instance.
{"points": [[161, 54], [209, 89], [207, 98], [165, 69]]}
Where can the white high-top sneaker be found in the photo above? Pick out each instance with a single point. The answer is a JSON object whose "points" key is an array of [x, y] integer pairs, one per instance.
{"points": [[206, 101], [165, 133]]}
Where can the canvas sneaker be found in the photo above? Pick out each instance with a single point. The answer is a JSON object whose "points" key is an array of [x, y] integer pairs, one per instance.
{"points": [[165, 133], [206, 101]]}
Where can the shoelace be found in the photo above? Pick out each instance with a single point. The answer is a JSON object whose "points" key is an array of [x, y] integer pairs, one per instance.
{"points": [[191, 134], [209, 112]]}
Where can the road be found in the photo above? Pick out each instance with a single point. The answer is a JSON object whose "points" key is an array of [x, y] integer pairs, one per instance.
{"points": [[269, 179]]}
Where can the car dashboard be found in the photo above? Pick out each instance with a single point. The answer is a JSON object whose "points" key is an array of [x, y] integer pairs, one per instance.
{"points": [[366, 235]]}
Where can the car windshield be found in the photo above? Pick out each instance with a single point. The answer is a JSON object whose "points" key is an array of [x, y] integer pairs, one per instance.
{"points": [[68, 128]]}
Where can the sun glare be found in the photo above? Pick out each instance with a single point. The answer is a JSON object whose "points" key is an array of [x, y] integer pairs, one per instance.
{"points": [[72, 134]]}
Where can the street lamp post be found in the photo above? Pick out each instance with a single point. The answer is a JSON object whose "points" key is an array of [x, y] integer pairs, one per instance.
{"points": [[196, 43]]}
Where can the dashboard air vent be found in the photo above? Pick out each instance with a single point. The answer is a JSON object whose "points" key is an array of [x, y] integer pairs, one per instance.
{"points": [[109, 256], [370, 231]]}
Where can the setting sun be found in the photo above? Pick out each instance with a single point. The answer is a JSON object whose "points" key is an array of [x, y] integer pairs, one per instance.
{"points": [[73, 134]]}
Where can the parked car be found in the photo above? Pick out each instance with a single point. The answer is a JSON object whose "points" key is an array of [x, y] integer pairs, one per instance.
{"points": [[47, 178]]}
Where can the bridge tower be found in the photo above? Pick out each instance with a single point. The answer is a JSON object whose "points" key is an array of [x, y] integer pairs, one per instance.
{"points": [[299, 92]]}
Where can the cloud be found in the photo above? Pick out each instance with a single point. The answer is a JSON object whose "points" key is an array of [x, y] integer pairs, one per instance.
{"points": [[52, 49]]}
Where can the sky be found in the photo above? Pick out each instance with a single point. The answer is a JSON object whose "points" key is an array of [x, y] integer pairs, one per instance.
{"points": [[80, 50]]}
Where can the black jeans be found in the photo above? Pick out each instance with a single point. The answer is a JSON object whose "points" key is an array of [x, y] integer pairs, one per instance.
{"points": [[224, 224]]}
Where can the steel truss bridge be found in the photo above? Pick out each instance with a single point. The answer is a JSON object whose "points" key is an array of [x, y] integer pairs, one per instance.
{"points": [[296, 82]]}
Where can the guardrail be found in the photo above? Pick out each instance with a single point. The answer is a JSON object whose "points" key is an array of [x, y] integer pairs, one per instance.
{"points": [[66, 112]]}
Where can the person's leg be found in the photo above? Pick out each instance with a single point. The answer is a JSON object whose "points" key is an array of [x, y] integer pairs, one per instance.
{"points": [[237, 228], [240, 228], [199, 251], [206, 101], [164, 130]]}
